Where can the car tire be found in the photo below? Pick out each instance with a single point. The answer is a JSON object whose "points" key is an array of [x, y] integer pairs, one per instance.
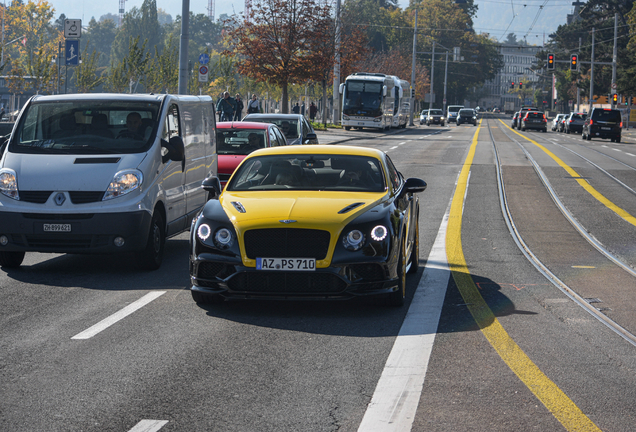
{"points": [[567, 131], [152, 255], [442, 124], [618, 139], [415, 253], [11, 259], [396, 298], [347, 127], [206, 299], [588, 137]]}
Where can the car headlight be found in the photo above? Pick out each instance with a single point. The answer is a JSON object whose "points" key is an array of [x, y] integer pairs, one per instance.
{"points": [[223, 238], [379, 233], [122, 183], [9, 183], [354, 240], [441, 118], [204, 231]]}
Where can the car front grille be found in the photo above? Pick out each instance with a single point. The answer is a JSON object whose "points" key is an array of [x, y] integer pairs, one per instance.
{"points": [[291, 283], [287, 243], [36, 197]]}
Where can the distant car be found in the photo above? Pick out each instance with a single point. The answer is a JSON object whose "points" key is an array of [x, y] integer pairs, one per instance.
{"points": [[522, 114], [496, 110], [423, 116], [435, 116], [556, 120], [307, 222], [534, 120], [515, 119], [467, 115], [603, 123], [235, 140], [451, 112], [296, 128], [574, 122]]}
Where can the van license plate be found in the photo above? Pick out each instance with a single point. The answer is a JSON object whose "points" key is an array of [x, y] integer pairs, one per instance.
{"points": [[290, 264], [606, 128], [57, 227]]}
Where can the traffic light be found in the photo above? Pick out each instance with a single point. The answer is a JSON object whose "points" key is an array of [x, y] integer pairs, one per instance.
{"points": [[520, 85], [615, 98], [512, 85], [574, 62], [550, 61]]}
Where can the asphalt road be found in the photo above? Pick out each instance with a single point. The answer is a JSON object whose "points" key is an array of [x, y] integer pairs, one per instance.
{"points": [[485, 341]]}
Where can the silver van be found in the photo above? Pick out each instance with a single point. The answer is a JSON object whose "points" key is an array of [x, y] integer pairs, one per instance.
{"points": [[104, 173]]}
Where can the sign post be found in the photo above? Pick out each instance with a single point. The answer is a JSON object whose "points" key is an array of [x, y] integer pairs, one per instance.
{"points": [[72, 34]]}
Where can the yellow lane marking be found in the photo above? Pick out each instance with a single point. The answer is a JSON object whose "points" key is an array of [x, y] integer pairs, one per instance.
{"points": [[580, 180], [557, 402]]}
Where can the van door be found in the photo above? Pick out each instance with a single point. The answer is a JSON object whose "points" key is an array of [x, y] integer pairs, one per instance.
{"points": [[173, 176], [195, 140]]}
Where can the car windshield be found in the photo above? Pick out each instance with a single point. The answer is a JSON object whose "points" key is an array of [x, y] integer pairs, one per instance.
{"points": [[289, 126], [607, 115], [435, 112], [239, 141], [309, 172], [86, 127], [579, 116], [535, 115], [466, 112]]}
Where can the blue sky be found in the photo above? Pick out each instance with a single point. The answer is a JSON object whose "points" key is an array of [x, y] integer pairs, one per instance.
{"points": [[497, 17]]}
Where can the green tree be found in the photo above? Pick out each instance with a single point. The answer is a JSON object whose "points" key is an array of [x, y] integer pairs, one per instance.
{"points": [[138, 24], [163, 69], [85, 74], [101, 35]]}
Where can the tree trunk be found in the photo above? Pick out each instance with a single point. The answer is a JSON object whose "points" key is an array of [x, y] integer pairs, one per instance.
{"points": [[284, 99], [324, 102]]}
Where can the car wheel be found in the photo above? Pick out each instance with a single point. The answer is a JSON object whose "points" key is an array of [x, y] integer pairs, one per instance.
{"points": [[347, 127], [396, 298], [204, 298], [415, 253], [618, 139], [11, 259], [442, 124], [588, 137], [152, 256], [567, 131]]}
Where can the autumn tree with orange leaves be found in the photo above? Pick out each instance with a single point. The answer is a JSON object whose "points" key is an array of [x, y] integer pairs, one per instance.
{"points": [[277, 44]]}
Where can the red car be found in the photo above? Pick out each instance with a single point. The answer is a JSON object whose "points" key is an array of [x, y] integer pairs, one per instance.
{"points": [[235, 140]]}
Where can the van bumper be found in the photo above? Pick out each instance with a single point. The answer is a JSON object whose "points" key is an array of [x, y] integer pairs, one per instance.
{"points": [[85, 233]]}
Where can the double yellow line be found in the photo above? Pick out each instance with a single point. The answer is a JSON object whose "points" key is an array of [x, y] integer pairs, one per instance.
{"points": [[557, 402]]}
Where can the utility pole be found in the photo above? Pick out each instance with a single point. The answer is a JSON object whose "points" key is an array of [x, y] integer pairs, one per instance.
{"points": [[183, 48], [592, 75], [412, 95], [578, 89], [430, 98], [336, 70], [445, 79], [614, 58]]}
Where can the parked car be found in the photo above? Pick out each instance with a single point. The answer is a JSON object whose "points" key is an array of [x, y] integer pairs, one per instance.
{"points": [[296, 128], [574, 122], [307, 222], [556, 120], [515, 119], [534, 120], [435, 116], [235, 140], [603, 123], [104, 174], [467, 115], [423, 116]]}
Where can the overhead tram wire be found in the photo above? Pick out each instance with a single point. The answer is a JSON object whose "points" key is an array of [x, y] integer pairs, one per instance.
{"points": [[536, 17]]}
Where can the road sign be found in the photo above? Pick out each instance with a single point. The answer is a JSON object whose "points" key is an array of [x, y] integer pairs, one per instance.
{"points": [[72, 28], [204, 59], [72, 52], [203, 74], [614, 86]]}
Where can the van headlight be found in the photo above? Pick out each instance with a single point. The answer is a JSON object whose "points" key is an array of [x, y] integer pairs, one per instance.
{"points": [[9, 183], [122, 183]]}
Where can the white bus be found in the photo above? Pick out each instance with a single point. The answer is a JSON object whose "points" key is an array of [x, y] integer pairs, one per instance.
{"points": [[374, 100]]}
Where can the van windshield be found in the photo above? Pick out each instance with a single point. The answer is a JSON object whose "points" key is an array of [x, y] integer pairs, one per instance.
{"points": [[86, 127]]}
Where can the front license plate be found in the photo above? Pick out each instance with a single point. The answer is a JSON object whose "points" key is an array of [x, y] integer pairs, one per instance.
{"points": [[290, 264], [57, 227]]}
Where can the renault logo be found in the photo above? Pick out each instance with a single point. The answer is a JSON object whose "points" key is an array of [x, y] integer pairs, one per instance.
{"points": [[60, 198], [287, 221]]}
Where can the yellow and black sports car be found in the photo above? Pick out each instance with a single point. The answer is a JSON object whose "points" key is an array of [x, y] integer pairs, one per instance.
{"points": [[307, 222]]}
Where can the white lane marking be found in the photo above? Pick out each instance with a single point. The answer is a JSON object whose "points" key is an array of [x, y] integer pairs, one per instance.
{"points": [[422, 137], [149, 426], [107, 322], [393, 148], [617, 149], [397, 394], [630, 154], [402, 143]]}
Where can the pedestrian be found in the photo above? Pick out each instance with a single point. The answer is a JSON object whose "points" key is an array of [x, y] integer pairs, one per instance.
{"points": [[253, 105], [2, 112], [302, 109], [296, 109], [239, 107], [226, 107], [313, 109]]}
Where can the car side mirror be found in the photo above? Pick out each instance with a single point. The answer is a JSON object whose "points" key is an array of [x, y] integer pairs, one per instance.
{"points": [[176, 149], [212, 185], [311, 136], [414, 185]]}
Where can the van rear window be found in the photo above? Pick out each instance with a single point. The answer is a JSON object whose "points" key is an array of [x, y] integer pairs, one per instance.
{"points": [[607, 115]]}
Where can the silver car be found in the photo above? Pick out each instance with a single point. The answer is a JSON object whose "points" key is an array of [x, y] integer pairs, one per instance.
{"points": [[296, 128]]}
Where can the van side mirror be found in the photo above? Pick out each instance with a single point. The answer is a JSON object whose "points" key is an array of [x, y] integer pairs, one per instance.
{"points": [[212, 185], [176, 149]]}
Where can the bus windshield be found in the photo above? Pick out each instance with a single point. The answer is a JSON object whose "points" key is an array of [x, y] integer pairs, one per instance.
{"points": [[363, 98]]}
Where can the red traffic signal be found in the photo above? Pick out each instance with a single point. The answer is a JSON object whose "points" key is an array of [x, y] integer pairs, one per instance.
{"points": [[512, 85], [574, 62], [520, 85], [550, 61], [615, 98]]}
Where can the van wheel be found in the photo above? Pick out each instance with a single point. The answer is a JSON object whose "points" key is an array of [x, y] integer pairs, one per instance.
{"points": [[11, 259], [347, 127], [152, 256]]}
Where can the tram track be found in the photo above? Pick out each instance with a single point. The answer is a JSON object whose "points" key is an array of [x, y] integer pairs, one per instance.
{"points": [[535, 261]]}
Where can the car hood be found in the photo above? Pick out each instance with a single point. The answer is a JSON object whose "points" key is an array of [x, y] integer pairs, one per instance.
{"points": [[318, 210]]}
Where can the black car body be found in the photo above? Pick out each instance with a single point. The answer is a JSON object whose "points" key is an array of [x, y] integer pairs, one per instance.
{"points": [[467, 115], [435, 116], [534, 120], [603, 123], [574, 122], [252, 239], [515, 119], [296, 128], [522, 113]]}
